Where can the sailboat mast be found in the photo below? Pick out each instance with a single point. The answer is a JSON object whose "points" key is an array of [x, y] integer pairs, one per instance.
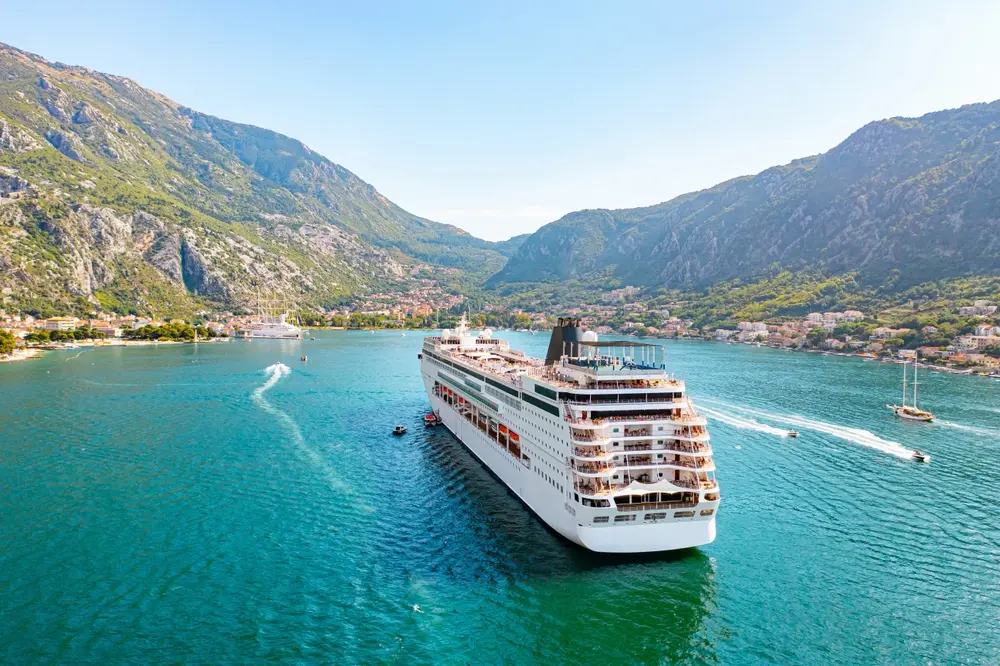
{"points": [[914, 381], [904, 383]]}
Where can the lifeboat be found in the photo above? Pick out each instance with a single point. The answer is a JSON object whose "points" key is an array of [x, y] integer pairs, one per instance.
{"points": [[503, 429], [514, 438]]}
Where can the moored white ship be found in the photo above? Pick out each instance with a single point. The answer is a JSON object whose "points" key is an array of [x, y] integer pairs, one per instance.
{"points": [[598, 439], [271, 327], [268, 325]]}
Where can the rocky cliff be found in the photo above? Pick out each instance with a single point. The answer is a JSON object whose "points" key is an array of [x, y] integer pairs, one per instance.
{"points": [[111, 192]]}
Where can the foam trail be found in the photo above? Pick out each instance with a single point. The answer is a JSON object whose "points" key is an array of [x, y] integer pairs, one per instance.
{"points": [[274, 374], [855, 435], [987, 432], [72, 357], [742, 423]]}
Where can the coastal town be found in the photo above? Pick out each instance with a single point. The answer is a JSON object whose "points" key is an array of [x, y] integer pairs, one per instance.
{"points": [[965, 340]]}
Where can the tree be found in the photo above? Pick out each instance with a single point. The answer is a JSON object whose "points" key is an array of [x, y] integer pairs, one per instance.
{"points": [[7, 342]]}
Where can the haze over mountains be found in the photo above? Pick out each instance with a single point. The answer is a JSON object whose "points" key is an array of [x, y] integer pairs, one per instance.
{"points": [[917, 195], [112, 193]]}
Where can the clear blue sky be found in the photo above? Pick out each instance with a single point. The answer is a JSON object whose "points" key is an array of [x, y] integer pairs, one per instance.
{"points": [[501, 116]]}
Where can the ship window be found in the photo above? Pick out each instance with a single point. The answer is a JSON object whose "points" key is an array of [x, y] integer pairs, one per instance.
{"points": [[548, 393], [707, 512], [624, 519], [600, 519], [656, 516], [683, 514]]}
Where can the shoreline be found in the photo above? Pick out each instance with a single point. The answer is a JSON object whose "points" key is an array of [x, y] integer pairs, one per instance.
{"points": [[979, 372], [21, 355], [37, 351]]}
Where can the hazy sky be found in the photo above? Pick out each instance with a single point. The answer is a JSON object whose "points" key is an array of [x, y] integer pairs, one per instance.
{"points": [[501, 116]]}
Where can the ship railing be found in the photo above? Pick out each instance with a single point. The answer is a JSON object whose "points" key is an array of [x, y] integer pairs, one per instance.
{"points": [[650, 506], [669, 446], [683, 420], [588, 489], [593, 468], [590, 453], [620, 401]]}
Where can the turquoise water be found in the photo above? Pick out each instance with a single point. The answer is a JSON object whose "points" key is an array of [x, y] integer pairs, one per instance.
{"points": [[180, 505]]}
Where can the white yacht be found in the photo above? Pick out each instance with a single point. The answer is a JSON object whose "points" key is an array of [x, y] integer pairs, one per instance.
{"points": [[272, 327], [269, 325], [597, 439]]}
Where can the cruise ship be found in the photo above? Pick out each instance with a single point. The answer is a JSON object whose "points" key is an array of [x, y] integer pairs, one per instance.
{"points": [[597, 439]]}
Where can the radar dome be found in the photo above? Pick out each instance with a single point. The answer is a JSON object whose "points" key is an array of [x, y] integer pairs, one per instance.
{"points": [[590, 336], [487, 334]]}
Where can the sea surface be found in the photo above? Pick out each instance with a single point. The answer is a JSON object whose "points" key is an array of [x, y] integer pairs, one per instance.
{"points": [[204, 504]]}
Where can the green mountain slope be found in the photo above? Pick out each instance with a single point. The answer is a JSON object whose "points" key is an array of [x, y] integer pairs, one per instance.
{"points": [[115, 193], [921, 196]]}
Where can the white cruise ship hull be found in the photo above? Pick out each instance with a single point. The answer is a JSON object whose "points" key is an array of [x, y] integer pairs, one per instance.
{"points": [[553, 505]]}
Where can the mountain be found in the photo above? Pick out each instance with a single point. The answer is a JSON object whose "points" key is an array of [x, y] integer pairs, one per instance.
{"points": [[920, 196], [112, 193]]}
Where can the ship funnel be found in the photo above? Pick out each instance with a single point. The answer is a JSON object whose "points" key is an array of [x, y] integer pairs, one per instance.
{"points": [[565, 340]]}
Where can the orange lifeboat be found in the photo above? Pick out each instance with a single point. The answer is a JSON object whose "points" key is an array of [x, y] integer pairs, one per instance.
{"points": [[503, 429], [514, 437]]}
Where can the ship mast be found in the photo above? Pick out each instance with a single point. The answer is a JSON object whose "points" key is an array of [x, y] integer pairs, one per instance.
{"points": [[914, 382], [904, 383]]}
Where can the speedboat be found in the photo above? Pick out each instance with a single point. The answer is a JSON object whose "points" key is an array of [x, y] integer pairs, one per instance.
{"points": [[920, 456], [430, 420], [793, 433], [399, 430]]}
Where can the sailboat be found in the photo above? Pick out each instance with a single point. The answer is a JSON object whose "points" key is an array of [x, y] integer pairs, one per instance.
{"points": [[911, 412]]}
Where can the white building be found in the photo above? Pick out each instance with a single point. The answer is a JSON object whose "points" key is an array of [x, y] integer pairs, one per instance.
{"points": [[60, 323]]}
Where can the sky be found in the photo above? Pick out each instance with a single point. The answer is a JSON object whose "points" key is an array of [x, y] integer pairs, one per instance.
{"points": [[499, 117]]}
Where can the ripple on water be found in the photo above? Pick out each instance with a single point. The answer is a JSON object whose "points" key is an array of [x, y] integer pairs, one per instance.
{"points": [[146, 490]]}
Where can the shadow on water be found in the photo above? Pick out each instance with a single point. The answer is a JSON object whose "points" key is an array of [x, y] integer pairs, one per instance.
{"points": [[665, 598]]}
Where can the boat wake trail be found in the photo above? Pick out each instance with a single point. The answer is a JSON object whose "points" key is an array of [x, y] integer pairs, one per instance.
{"points": [[742, 423], [855, 435], [72, 357], [986, 432], [274, 374]]}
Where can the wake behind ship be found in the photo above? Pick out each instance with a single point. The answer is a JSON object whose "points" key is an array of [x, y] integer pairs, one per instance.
{"points": [[597, 439]]}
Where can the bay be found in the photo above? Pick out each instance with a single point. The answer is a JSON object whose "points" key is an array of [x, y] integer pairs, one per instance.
{"points": [[183, 504]]}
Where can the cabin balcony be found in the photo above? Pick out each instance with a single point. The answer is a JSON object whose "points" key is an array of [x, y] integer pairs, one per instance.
{"points": [[655, 501], [648, 462], [592, 469], [670, 445], [592, 454]]}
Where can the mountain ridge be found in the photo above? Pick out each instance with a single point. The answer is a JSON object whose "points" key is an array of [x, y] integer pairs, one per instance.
{"points": [[922, 187], [240, 204]]}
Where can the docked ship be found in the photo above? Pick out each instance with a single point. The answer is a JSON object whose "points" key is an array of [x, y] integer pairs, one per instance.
{"points": [[597, 438], [274, 327], [270, 323]]}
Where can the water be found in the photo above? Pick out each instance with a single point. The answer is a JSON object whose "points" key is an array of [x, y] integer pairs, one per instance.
{"points": [[231, 504]]}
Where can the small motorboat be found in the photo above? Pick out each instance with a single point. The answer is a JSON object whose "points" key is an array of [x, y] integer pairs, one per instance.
{"points": [[920, 456], [430, 420], [399, 430], [303, 357], [312, 337], [793, 433]]}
